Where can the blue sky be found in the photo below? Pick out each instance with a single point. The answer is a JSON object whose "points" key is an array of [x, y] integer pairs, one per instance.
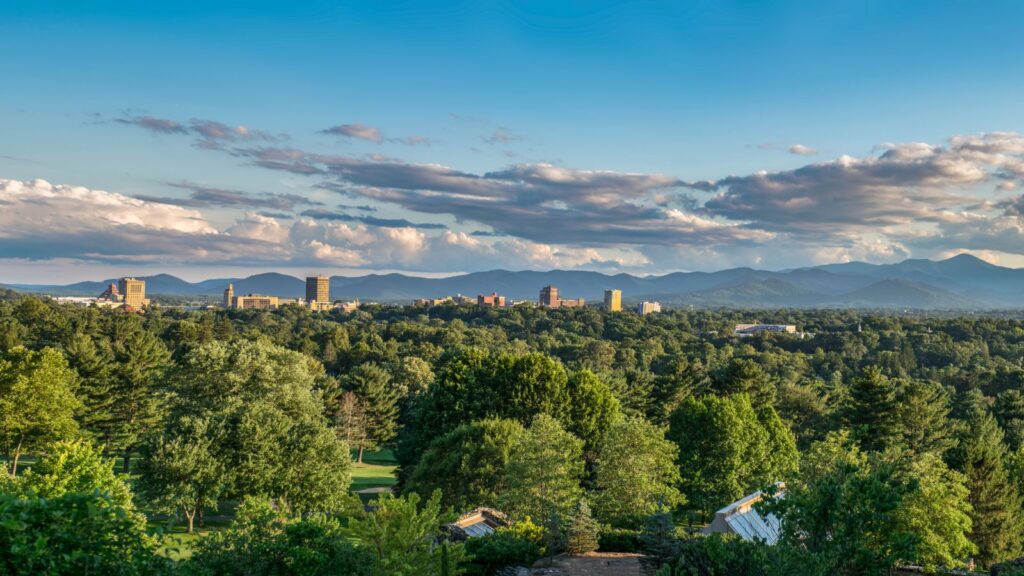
{"points": [[620, 136]]}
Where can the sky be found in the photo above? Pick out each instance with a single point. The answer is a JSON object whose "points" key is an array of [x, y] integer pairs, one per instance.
{"points": [[212, 139]]}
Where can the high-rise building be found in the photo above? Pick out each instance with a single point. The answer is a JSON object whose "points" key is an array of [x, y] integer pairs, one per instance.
{"points": [[648, 307], [549, 296], [613, 300], [133, 292], [229, 296], [318, 289]]}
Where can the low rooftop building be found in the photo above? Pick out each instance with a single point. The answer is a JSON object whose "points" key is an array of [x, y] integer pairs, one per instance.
{"points": [[742, 518], [479, 522]]}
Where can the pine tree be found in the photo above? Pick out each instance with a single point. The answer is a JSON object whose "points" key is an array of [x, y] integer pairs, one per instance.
{"points": [[659, 541], [872, 411], [136, 407], [582, 532], [379, 399], [996, 514]]}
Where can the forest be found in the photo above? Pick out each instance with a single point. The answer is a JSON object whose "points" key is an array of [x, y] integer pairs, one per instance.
{"points": [[232, 441]]}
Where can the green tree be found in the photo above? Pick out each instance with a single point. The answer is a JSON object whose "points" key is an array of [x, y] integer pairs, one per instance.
{"points": [[544, 471], [636, 474], [37, 401], [680, 380], [181, 470], [261, 400], [75, 466], [995, 502], [468, 464], [872, 410], [592, 408], [93, 361], [923, 417], [582, 531], [727, 449], [864, 512], [137, 406], [379, 400], [400, 533]]}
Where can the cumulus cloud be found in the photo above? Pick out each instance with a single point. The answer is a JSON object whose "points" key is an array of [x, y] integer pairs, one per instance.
{"points": [[902, 185]]}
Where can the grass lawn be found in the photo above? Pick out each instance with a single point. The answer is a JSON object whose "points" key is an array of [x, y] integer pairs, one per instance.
{"points": [[377, 469]]}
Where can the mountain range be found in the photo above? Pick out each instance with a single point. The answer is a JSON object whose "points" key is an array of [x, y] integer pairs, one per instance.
{"points": [[960, 282]]}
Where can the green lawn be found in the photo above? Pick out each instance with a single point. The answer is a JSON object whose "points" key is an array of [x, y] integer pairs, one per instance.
{"points": [[377, 469]]}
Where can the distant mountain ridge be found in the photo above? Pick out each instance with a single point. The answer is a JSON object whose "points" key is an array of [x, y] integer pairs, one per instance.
{"points": [[961, 282]]}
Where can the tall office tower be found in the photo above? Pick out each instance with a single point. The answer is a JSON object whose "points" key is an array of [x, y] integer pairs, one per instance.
{"points": [[229, 295], [549, 296], [318, 289], [133, 291], [613, 300]]}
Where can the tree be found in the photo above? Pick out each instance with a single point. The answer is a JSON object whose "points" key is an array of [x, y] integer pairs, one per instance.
{"points": [[996, 504], [680, 380], [468, 464], [37, 401], [270, 432], [872, 410], [744, 376], [582, 531], [181, 470], [864, 512], [544, 471], [93, 361], [592, 408], [349, 419], [400, 533], [923, 417], [727, 449], [1009, 413], [379, 400], [75, 466], [473, 384], [636, 474], [140, 359]]}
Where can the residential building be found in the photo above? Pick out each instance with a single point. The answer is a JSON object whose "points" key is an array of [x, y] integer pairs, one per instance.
{"points": [[479, 522], [494, 300], [255, 301], [133, 292], [743, 519], [645, 308], [751, 329], [229, 296], [549, 299], [318, 290], [347, 307], [613, 300]]}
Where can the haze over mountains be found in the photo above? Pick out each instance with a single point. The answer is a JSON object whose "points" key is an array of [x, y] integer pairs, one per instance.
{"points": [[961, 282]]}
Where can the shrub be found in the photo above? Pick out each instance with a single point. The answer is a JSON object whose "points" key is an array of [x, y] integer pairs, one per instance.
{"points": [[263, 542], [619, 540], [74, 534], [495, 551]]}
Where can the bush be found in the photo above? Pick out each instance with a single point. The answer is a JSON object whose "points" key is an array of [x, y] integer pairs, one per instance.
{"points": [[74, 534], [264, 543], [619, 540], [495, 551]]}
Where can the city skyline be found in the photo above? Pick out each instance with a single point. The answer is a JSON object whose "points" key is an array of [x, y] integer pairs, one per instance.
{"points": [[600, 136]]}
